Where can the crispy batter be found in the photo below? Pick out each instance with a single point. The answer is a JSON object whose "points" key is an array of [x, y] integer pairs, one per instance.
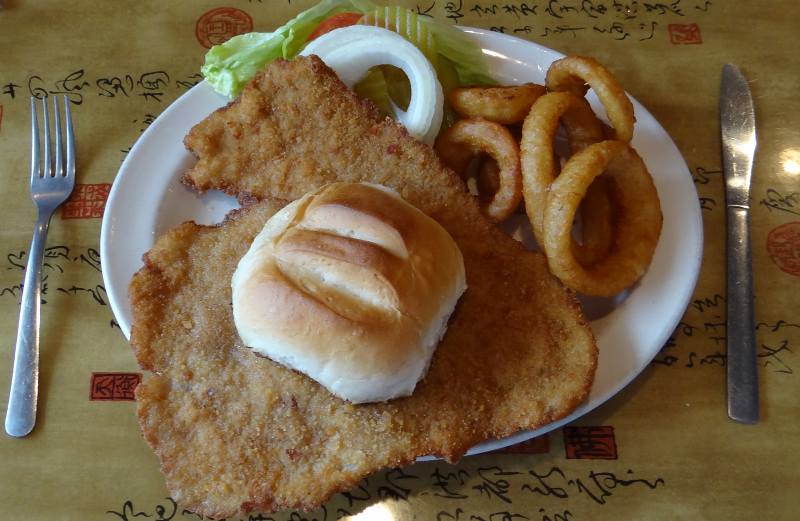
{"points": [[237, 432], [469, 137]]}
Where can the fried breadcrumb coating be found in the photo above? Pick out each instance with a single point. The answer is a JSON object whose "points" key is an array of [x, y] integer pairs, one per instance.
{"points": [[236, 432]]}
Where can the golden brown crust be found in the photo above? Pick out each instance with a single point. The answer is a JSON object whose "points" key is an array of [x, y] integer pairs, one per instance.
{"points": [[296, 127], [236, 432]]}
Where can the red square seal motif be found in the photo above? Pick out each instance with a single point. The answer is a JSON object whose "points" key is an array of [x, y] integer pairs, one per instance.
{"points": [[590, 442], [682, 34], [537, 445], [111, 387], [86, 202]]}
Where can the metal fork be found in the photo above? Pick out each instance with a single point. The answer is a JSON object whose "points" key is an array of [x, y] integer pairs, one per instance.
{"points": [[52, 181]]}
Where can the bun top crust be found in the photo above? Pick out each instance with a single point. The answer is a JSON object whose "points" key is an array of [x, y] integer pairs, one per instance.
{"points": [[352, 286]]}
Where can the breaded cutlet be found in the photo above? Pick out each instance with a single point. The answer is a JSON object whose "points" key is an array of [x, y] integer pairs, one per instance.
{"points": [[236, 432]]}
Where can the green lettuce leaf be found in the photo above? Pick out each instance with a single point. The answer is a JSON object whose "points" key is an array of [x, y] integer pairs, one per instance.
{"points": [[229, 66], [463, 53]]}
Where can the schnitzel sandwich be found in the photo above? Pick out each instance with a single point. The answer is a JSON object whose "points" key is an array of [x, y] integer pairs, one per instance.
{"points": [[236, 431]]}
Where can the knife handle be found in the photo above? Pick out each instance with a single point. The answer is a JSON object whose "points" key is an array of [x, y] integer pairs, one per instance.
{"points": [[742, 365]]}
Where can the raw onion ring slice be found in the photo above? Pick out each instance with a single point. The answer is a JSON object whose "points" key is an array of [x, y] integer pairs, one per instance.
{"points": [[353, 51]]}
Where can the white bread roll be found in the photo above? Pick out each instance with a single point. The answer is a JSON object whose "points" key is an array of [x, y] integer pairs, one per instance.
{"points": [[352, 286]]}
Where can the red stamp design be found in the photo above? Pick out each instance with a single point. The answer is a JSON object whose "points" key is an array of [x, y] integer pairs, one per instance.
{"points": [[783, 246], [112, 387], [220, 25], [683, 34], [86, 202], [590, 442]]}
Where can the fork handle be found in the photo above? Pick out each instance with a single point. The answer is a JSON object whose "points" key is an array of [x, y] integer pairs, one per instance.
{"points": [[21, 413]]}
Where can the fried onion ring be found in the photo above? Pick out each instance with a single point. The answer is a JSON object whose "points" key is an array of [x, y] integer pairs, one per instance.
{"points": [[573, 73], [488, 176], [505, 105], [637, 222], [468, 138], [537, 157], [597, 225]]}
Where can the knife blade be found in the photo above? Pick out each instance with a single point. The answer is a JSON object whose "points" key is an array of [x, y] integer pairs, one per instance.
{"points": [[738, 129]]}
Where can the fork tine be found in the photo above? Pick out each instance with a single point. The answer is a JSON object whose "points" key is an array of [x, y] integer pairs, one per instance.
{"points": [[48, 163], [70, 139], [58, 167], [35, 164]]}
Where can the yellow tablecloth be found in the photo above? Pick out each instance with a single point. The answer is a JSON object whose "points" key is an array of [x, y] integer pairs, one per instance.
{"points": [[663, 448]]}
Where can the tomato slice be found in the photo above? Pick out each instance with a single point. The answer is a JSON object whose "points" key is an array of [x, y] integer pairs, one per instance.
{"points": [[336, 21]]}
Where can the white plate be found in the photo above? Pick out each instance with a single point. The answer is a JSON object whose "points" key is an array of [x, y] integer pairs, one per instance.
{"points": [[148, 199]]}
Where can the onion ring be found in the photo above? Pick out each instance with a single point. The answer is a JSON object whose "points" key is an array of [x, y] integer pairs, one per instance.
{"points": [[538, 161], [573, 73], [478, 135], [637, 219], [597, 226], [488, 176], [505, 105]]}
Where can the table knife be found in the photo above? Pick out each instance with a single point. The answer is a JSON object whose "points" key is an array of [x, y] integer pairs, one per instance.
{"points": [[738, 129]]}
